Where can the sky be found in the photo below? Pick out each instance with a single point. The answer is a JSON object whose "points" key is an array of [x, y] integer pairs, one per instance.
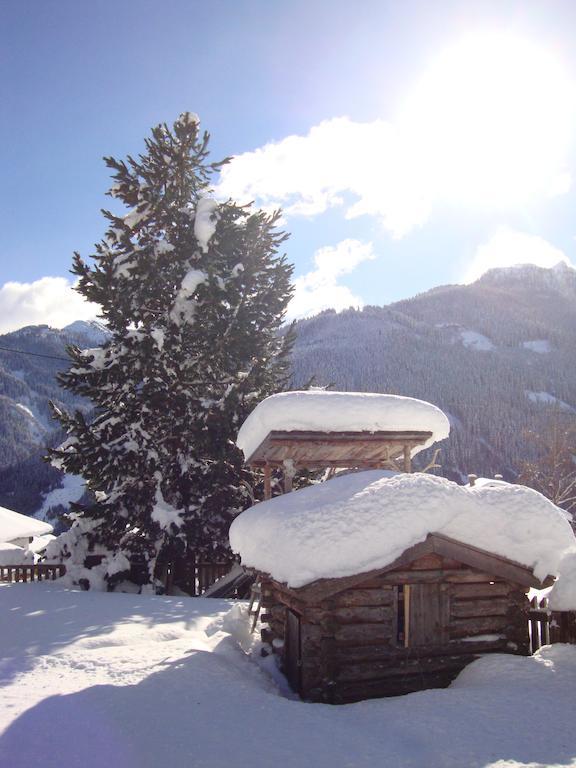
{"points": [[410, 143]]}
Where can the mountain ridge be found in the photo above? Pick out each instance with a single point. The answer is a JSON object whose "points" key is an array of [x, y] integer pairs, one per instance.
{"points": [[497, 355]]}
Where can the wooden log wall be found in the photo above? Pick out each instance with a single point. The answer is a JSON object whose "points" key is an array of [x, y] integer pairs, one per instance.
{"points": [[350, 641]]}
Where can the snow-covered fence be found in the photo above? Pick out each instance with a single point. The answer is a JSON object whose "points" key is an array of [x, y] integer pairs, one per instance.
{"points": [[539, 623], [563, 627], [193, 576], [548, 626], [38, 572]]}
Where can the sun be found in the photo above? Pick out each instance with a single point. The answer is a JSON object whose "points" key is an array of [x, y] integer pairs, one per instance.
{"points": [[491, 122]]}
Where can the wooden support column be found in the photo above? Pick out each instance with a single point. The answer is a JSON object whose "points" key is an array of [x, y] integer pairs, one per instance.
{"points": [[289, 472], [267, 482], [407, 460]]}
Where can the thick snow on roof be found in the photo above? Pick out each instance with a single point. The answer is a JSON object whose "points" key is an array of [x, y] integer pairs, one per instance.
{"points": [[13, 525], [317, 410], [10, 554], [358, 522]]}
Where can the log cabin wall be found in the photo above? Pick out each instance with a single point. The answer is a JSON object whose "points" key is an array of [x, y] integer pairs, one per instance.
{"points": [[400, 631]]}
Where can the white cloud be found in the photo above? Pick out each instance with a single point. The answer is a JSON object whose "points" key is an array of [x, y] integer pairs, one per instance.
{"points": [[319, 289], [508, 248], [306, 175], [47, 301], [458, 139]]}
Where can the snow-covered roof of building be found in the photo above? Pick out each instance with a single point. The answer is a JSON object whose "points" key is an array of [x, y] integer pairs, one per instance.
{"points": [[13, 525], [363, 521], [10, 554], [318, 410]]}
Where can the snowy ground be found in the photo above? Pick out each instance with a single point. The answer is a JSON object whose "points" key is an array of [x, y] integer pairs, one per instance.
{"points": [[92, 679]]}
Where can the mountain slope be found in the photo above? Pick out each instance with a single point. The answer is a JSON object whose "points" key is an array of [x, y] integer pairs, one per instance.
{"points": [[496, 355], [30, 359]]}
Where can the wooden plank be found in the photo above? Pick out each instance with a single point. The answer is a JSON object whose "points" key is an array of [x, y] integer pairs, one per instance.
{"points": [[379, 596], [348, 653], [432, 562], [481, 590], [462, 609], [357, 634], [278, 445], [485, 561], [393, 686], [428, 615], [407, 459], [267, 482], [374, 670], [407, 614], [486, 625], [360, 614]]}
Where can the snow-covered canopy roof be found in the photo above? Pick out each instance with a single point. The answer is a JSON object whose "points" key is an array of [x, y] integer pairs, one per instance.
{"points": [[13, 525], [321, 411], [364, 521]]}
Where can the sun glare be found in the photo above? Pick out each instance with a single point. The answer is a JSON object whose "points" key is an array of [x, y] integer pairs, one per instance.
{"points": [[492, 120]]}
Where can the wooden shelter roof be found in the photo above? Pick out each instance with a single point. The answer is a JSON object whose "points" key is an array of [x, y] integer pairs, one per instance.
{"points": [[318, 450], [435, 543]]}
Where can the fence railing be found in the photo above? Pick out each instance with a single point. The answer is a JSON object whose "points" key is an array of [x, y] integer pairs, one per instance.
{"points": [[38, 572], [194, 577], [548, 626], [539, 620]]}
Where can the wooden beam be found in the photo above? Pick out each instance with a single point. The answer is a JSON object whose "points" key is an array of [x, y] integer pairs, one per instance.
{"points": [[289, 472], [287, 443], [267, 481], [487, 561], [407, 459]]}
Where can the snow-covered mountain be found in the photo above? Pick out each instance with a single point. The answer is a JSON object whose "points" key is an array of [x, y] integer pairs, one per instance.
{"points": [[30, 358], [496, 355]]}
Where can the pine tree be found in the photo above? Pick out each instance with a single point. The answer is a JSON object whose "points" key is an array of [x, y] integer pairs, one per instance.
{"points": [[193, 292]]}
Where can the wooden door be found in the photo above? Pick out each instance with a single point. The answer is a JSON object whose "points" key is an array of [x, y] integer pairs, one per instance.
{"points": [[429, 615], [293, 650]]}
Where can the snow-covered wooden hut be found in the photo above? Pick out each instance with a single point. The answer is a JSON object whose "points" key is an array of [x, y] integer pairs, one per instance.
{"points": [[17, 532], [317, 429], [376, 584]]}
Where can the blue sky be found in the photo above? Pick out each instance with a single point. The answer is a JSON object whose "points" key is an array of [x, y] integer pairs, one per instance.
{"points": [[411, 143]]}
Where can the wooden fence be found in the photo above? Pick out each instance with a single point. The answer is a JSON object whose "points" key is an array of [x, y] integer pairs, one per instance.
{"points": [[548, 626], [194, 577], [38, 572]]}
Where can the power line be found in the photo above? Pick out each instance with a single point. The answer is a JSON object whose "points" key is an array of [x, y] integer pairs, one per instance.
{"points": [[35, 354]]}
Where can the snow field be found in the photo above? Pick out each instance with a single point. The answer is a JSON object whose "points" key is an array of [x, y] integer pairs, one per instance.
{"points": [[125, 681]]}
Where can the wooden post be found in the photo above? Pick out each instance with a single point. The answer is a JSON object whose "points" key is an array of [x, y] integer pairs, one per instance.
{"points": [[267, 482], [406, 615], [289, 472], [472, 480], [407, 460], [546, 627]]}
